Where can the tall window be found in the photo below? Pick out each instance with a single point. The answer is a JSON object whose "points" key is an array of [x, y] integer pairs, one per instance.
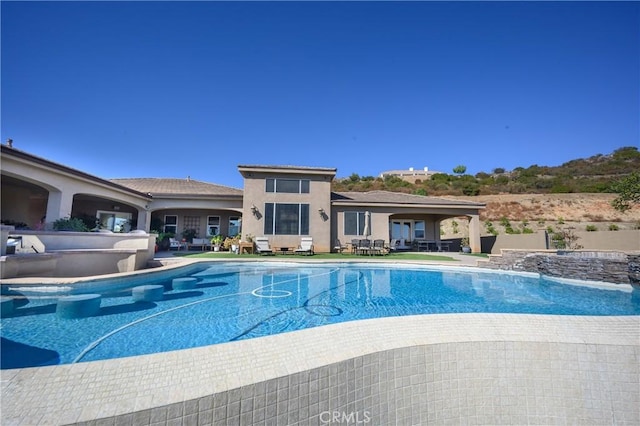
{"points": [[234, 225], [353, 223], [171, 224], [286, 219], [290, 186], [213, 225], [419, 230]]}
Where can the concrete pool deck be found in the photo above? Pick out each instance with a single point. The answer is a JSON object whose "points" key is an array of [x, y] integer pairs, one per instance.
{"points": [[425, 369]]}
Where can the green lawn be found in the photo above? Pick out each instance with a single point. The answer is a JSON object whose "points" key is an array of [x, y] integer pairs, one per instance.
{"points": [[319, 256]]}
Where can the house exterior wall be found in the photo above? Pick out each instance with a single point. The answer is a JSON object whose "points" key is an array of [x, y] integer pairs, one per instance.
{"points": [[202, 215], [319, 197]]}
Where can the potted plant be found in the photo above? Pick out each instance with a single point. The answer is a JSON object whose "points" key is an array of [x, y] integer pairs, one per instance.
{"points": [[189, 235], [232, 243], [464, 245], [216, 241], [235, 243]]}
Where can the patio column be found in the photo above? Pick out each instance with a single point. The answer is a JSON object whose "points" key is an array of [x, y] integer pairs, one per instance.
{"points": [[59, 206], [144, 220], [474, 233]]}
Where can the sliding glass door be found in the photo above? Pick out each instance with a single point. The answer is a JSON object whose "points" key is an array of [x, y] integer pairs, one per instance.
{"points": [[401, 230]]}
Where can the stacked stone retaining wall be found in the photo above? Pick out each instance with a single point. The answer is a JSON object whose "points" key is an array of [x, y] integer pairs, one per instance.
{"points": [[608, 266]]}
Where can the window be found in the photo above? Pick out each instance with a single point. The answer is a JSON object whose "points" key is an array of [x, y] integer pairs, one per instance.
{"points": [[114, 221], [213, 225], [286, 219], [234, 225], [353, 223], [418, 230], [171, 224], [290, 186], [191, 223]]}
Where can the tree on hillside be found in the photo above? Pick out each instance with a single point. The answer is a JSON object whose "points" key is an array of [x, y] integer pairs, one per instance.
{"points": [[628, 190], [460, 170]]}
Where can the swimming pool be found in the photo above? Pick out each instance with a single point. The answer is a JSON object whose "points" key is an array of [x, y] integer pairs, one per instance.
{"points": [[238, 300]]}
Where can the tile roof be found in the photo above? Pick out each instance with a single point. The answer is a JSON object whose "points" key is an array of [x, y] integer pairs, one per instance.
{"points": [[387, 197], [168, 186]]}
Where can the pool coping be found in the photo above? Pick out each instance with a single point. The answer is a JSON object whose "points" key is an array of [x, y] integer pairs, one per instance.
{"points": [[87, 391], [98, 389]]}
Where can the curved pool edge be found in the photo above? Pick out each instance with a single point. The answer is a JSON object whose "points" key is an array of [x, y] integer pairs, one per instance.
{"points": [[511, 356]]}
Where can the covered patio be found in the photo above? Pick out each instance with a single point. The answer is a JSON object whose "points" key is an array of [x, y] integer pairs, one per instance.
{"points": [[404, 221]]}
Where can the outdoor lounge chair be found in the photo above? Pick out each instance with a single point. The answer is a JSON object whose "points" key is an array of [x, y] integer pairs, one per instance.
{"points": [[263, 246], [339, 247], [306, 246], [176, 244]]}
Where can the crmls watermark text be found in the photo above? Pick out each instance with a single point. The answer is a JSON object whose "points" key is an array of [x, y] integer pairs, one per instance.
{"points": [[340, 417]]}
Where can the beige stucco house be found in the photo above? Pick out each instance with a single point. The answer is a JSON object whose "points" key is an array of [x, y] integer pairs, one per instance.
{"points": [[283, 203]]}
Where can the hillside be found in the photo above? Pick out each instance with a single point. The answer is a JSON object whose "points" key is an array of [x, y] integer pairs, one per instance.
{"points": [[575, 194], [537, 212], [553, 207], [595, 174]]}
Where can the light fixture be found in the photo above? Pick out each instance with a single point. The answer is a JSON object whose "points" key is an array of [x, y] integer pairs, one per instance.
{"points": [[321, 211], [254, 210]]}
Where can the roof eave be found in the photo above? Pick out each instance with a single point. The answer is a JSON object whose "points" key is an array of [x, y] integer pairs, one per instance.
{"points": [[67, 170], [416, 205]]}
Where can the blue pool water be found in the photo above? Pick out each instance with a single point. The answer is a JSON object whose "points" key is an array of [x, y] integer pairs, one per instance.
{"points": [[234, 301]]}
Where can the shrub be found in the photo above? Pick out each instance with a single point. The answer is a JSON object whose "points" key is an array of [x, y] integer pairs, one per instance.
{"points": [[502, 180], [591, 228], [70, 224], [613, 227], [189, 234], [471, 190], [565, 239], [490, 228]]}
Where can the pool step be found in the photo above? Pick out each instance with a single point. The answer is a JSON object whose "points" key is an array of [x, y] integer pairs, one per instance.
{"points": [[78, 306], [184, 283], [147, 293]]}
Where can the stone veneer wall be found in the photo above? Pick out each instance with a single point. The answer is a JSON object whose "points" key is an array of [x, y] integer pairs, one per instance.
{"points": [[615, 267], [497, 382]]}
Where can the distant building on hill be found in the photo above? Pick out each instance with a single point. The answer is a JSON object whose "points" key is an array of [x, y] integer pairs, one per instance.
{"points": [[410, 174]]}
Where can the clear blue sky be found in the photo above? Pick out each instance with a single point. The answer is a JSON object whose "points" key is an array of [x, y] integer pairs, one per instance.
{"points": [[170, 89]]}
